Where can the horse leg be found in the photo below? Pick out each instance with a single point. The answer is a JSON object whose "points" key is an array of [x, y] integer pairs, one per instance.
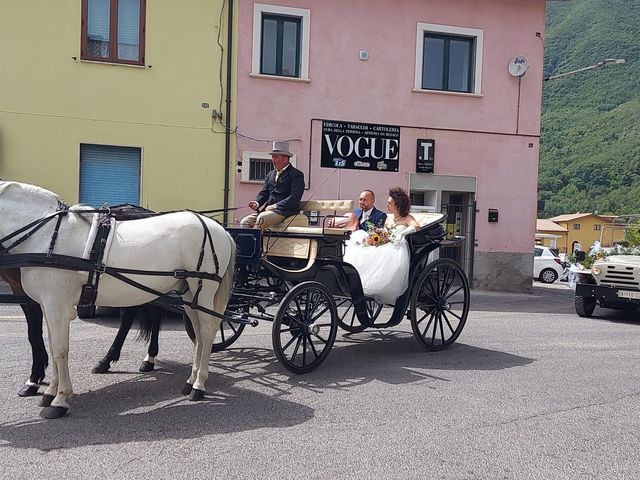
{"points": [[150, 320], [209, 326], [127, 315], [58, 320], [50, 392], [40, 359], [195, 322]]}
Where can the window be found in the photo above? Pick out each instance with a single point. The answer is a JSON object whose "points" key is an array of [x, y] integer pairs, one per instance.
{"points": [[280, 49], [109, 174], [597, 226], [280, 41], [448, 58], [537, 252], [113, 31], [256, 166], [576, 226]]}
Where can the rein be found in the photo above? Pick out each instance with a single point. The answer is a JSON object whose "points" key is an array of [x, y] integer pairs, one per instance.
{"points": [[36, 225]]}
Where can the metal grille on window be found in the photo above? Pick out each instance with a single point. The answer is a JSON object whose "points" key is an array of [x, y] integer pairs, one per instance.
{"points": [[259, 168]]}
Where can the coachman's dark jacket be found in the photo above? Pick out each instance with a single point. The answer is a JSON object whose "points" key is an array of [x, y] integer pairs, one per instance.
{"points": [[286, 194]]}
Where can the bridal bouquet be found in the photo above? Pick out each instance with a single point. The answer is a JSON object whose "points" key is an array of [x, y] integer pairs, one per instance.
{"points": [[377, 236]]}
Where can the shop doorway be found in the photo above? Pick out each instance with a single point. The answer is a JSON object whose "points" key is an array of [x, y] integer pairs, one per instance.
{"points": [[460, 210]]}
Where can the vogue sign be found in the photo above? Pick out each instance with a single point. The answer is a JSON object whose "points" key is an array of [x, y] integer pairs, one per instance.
{"points": [[360, 146]]}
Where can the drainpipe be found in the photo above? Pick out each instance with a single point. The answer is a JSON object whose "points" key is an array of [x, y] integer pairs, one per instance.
{"points": [[227, 115]]}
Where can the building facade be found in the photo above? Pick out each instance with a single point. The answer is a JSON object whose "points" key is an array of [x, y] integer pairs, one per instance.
{"points": [[419, 94], [112, 100], [583, 229]]}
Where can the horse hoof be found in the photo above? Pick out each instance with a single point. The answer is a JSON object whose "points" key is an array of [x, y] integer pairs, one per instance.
{"points": [[54, 412], [196, 395], [46, 400], [146, 367], [28, 391], [101, 367], [186, 390]]}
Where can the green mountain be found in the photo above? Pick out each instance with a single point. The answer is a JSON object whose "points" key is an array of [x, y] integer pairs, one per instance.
{"points": [[590, 145]]}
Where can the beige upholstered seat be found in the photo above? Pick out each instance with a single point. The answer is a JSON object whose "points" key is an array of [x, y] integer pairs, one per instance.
{"points": [[300, 220], [302, 248], [327, 205], [423, 218]]}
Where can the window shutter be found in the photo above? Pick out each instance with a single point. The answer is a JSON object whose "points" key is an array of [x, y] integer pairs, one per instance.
{"points": [[109, 174], [128, 30], [98, 20]]}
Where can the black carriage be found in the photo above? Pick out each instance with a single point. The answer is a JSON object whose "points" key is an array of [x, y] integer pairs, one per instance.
{"points": [[294, 276]]}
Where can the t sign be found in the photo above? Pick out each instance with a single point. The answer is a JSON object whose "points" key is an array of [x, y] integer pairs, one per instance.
{"points": [[425, 155]]}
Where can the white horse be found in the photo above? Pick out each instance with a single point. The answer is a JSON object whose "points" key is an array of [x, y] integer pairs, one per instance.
{"points": [[164, 243]]}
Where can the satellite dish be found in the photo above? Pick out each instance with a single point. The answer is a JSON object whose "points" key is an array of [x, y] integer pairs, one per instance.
{"points": [[518, 66]]}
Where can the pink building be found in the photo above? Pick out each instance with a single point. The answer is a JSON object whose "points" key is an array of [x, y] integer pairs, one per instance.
{"points": [[414, 93]]}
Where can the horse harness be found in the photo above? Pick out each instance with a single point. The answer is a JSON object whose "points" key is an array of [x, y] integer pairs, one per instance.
{"points": [[95, 265]]}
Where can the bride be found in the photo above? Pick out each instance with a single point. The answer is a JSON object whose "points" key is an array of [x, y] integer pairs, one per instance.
{"points": [[384, 269]]}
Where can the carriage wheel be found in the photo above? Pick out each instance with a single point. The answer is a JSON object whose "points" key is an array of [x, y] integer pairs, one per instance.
{"points": [[439, 304], [347, 318], [305, 327], [229, 332]]}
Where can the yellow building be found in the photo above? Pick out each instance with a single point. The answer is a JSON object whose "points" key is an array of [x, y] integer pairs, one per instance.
{"points": [[550, 234], [100, 104], [586, 228]]}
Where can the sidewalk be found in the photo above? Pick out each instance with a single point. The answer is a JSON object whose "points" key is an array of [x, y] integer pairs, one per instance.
{"points": [[553, 298]]}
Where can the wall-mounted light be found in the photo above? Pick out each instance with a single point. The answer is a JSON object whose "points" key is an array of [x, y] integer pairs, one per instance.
{"points": [[363, 55]]}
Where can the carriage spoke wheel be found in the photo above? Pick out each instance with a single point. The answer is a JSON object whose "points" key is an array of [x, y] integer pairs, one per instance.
{"points": [[227, 335], [439, 304], [347, 318], [305, 327]]}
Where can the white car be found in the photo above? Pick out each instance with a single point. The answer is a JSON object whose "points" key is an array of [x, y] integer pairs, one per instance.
{"points": [[547, 267]]}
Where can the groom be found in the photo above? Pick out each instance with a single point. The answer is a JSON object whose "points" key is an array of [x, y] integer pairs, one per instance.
{"points": [[367, 213]]}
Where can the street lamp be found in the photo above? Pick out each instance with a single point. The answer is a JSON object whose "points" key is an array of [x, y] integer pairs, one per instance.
{"points": [[604, 63]]}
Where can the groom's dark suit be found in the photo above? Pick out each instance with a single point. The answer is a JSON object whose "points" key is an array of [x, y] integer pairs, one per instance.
{"points": [[376, 217]]}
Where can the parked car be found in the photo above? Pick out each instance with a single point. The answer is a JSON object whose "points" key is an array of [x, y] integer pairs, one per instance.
{"points": [[547, 266]]}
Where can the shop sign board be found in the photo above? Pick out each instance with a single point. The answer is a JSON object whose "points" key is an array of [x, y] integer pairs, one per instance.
{"points": [[360, 146], [425, 155]]}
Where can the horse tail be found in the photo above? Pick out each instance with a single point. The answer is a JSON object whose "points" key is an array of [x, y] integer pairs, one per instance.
{"points": [[149, 319], [221, 297]]}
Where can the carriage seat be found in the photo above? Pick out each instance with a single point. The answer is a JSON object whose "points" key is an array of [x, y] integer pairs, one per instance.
{"points": [[425, 219], [299, 247], [301, 220]]}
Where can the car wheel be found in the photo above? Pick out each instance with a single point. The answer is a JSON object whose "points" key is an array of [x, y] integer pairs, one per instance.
{"points": [[548, 275], [584, 305]]}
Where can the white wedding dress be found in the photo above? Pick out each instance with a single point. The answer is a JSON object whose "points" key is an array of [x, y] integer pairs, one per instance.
{"points": [[384, 270]]}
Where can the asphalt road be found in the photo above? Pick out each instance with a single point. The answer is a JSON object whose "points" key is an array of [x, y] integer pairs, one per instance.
{"points": [[529, 391]]}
